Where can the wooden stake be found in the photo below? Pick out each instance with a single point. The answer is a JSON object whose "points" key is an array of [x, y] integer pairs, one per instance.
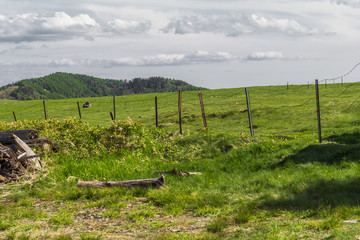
{"points": [[14, 116], [44, 109], [249, 112], [156, 113], [114, 108], [179, 105], [78, 105], [318, 109], [202, 110]]}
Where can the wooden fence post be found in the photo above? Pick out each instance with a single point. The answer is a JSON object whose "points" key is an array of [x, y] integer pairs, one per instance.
{"points": [[156, 113], [318, 109], [44, 109], [114, 108], [111, 116], [203, 110], [179, 106], [14, 116], [78, 105], [249, 112]]}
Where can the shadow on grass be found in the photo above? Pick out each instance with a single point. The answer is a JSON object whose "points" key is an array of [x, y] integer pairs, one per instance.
{"points": [[345, 147], [346, 138], [322, 193], [335, 192]]}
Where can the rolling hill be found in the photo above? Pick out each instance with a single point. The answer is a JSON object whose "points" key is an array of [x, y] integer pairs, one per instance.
{"points": [[67, 85]]}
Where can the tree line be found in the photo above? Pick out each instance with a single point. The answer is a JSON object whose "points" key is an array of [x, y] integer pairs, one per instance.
{"points": [[67, 85]]}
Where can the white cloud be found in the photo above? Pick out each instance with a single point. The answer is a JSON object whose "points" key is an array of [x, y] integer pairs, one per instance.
{"points": [[262, 56], [198, 57], [351, 3], [62, 22], [62, 62], [234, 24], [120, 26], [289, 26], [59, 26], [39, 27]]}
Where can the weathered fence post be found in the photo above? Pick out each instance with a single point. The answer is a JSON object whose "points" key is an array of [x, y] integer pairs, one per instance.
{"points": [[114, 108], [111, 116], [14, 116], [179, 106], [318, 109], [78, 105], [44, 109], [156, 113], [249, 112], [202, 110]]}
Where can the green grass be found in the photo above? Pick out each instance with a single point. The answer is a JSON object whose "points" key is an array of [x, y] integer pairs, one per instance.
{"points": [[275, 110], [281, 184]]}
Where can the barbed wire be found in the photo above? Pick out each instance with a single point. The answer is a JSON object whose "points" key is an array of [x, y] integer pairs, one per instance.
{"points": [[339, 77]]}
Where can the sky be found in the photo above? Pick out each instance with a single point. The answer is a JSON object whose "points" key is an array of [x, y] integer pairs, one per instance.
{"points": [[208, 43]]}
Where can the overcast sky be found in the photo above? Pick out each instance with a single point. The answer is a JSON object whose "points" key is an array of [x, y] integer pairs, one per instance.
{"points": [[208, 43]]}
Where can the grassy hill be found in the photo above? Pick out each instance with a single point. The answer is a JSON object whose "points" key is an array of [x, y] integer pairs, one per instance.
{"points": [[67, 85], [280, 184]]}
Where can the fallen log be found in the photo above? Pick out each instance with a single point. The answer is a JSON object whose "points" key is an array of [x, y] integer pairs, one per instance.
{"points": [[25, 135], [178, 172], [151, 182]]}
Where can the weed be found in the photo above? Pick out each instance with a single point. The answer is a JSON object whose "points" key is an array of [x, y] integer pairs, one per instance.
{"points": [[111, 214], [5, 224], [86, 236], [217, 226], [11, 235], [243, 215], [64, 237], [62, 218], [142, 212], [23, 237]]}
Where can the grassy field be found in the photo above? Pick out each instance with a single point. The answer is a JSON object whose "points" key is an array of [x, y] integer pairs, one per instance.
{"points": [[280, 184], [275, 109]]}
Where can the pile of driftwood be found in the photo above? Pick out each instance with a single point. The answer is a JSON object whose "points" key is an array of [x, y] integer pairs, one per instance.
{"points": [[16, 157]]}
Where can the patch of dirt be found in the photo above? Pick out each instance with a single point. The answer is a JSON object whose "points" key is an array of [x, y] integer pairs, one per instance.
{"points": [[94, 222]]}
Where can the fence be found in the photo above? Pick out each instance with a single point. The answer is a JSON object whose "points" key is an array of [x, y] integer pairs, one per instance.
{"points": [[275, 110]]}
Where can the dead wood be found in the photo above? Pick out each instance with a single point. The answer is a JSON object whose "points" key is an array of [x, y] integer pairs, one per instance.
{"points": [[25, 135], [43, 143], [23, 147], [145, 183], [17, 159], [177, 172], [11, 168]]}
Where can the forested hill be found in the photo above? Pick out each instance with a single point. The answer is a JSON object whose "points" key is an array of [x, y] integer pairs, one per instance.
{"points": [[68, 85]]}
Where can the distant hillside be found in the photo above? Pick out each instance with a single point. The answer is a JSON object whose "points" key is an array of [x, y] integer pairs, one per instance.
{"points": [[67, 85]]}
